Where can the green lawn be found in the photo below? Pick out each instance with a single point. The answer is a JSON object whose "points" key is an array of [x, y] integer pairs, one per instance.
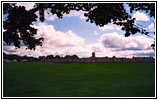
{"points": [[25, 79]]}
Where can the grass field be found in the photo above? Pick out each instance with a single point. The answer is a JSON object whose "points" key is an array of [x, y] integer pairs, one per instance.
{"points": [[25, 79]]}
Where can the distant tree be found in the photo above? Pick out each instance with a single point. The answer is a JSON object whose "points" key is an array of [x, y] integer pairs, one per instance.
{"points": [[4, 55], [25, 57], [57, 57], [49, 57], [71, 57], [114, 57], [75, 57], [17, 57], [67, 57], [11, 57], [18, 28], [41, 57]]}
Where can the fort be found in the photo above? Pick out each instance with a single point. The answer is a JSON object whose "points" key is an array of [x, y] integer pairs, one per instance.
{"points": [[94, 59]]}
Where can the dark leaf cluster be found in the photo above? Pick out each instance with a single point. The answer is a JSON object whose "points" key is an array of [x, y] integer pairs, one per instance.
{"points": [[147, 7], [18, 27]]}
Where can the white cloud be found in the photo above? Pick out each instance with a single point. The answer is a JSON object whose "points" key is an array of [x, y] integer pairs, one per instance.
{"points": [[28, 6], [57, 38], [95, 33], [80, 14], [110, 27], [151, 26], [119, 42], [50, 17], [69, 43], [55, 42], [3, 30], [100, 50], [140, 16], [82, 17], [121, 46], [76, 13]]}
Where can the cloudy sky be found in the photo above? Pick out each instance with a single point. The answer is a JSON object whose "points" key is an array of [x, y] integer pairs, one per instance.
{"points": [[73, 35]]}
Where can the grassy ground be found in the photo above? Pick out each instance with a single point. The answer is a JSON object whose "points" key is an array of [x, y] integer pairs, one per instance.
{"points": [[78, 80]]}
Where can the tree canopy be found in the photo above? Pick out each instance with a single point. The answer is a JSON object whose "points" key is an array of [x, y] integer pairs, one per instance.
{"points": [[18, 23]]}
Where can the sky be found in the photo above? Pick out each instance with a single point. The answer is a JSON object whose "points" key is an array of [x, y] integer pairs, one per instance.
{"points": [[72, 35]]}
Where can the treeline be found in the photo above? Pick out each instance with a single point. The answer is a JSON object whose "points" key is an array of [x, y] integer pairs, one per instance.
{"points": [[58, 57], [40, 58], [18, 58]]}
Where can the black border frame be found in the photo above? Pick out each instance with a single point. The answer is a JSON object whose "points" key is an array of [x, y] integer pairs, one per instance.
{"points": [[82, 97]]}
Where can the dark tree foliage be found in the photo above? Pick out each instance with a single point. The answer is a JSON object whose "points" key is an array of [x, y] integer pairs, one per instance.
{"points": [[71, 57], [147, 7], [57, 57], [18, 27], [49, 57], [17, 57], [41, 57], [19, 20]]}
